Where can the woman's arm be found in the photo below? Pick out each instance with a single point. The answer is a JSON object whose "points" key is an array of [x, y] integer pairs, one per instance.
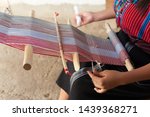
{"points": [[140, 74], [89, 17], [109, 79], [104, 14]]}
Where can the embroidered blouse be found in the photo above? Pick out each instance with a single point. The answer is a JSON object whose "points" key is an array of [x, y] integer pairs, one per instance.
{"points": [[130, 19]]}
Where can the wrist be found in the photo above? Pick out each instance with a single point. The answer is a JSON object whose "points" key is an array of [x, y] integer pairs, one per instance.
{"points": [[129, 77], [124, 78], [96, 17]]}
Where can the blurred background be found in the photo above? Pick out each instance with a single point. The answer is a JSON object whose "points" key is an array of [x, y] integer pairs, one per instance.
{"points": [[39, 82]]}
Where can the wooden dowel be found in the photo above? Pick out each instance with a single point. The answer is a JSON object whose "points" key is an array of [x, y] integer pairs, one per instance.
{"points": [[75, 56], [128, 65], [76, 62], [60, 45], [28, 52]]}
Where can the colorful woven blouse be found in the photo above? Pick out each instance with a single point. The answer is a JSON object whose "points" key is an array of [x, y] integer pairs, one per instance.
{"points": [[130, 20]]}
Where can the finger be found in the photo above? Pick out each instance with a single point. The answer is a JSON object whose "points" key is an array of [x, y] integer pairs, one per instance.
{"points": [[74, 21], [95, 72], [98, 73], [98, 90], [101, 74], [83, 20], [93, 76]]}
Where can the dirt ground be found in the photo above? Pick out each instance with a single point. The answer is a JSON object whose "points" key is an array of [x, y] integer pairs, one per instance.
{"points": [[39, 82]]}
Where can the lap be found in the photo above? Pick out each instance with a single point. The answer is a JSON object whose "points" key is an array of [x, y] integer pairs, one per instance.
{"points": [[83, 87]]}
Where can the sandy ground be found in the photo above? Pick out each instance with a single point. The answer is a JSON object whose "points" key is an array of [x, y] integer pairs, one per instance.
{"points": [[39, 82]]}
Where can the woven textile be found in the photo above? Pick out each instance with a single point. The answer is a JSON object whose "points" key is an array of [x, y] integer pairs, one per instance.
{"points": [[17, 31]]}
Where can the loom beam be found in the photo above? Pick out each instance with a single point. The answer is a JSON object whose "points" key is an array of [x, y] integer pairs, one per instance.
{"points": [[28, 52], [116, 41]]}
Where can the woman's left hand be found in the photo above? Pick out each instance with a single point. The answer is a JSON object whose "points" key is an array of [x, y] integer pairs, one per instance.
{"points": [[105, 80]]}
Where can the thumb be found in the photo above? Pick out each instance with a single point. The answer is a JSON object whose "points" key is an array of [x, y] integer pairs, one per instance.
{"points": [[95, 72], [94, 78], [91, 74], [98, 73]]}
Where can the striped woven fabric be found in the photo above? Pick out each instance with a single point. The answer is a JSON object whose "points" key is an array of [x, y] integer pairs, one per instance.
{"points": [[17, 31], [129, 18]]}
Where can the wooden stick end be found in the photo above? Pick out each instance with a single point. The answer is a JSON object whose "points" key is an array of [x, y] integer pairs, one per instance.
{"points": [[27, 66], [128, 65], [76, 61], [28, 53]]}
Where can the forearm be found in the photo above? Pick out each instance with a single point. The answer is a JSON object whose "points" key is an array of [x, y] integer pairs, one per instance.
{"points": [[140, 74], [104, 14]]}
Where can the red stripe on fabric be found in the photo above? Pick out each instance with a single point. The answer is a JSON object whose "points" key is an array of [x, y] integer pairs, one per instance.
{"points": [[37, 43], [133, 29], [83, 38], [126, 19], [140, 21], [146, 35], [131, 15], [47, 44], [106, 60], [132, 21], [33, 41]]}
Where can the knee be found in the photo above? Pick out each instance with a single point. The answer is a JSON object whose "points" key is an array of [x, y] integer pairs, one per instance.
{"points": [[81, 88]]}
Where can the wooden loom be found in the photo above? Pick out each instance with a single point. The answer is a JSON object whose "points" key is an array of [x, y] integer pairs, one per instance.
{"points": [[28, 52], [44, 37]]}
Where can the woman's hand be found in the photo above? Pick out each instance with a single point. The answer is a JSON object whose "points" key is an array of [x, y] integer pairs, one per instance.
{"points": [[89, 17], [105, 80], [109, 79], [86, 18]]}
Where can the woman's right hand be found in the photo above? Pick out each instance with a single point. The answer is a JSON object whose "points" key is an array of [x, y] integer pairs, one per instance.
{"points": [[86, 18]]}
